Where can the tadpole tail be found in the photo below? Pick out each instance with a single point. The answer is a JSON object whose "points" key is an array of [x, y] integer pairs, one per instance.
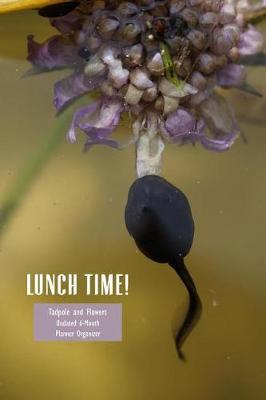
{"points": [[194, 309]]}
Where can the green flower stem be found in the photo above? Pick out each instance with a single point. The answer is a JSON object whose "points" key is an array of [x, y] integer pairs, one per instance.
{"points": [[170, 71], [31, 170]]}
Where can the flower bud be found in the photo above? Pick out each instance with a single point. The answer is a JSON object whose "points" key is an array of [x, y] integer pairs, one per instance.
{"points": [[175, 44], [223, 40], [198, 80], [176, 6], [221, 61], [233, 54], [212, 5], [234, 31], [94, 66], [150, 94], [133, 56], [207, 63], [170, 104], [227, 13], [167, 88], [107, 26], [198, 98], [208, 20], [197, 38], [140, 78], [155, 65], [130, 31], [190, 16], [132, 94], [127, 9]]}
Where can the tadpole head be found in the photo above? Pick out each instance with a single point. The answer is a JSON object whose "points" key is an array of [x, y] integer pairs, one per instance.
{"points": [[158, 217]]}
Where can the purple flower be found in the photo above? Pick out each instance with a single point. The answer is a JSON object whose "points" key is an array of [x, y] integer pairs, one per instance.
{"points": [[163, 74], [232, 75], [97, 120], [251, 42], [181, 126]]}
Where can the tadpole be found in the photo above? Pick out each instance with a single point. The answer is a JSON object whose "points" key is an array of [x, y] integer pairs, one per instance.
{"points": [[159, 218]]}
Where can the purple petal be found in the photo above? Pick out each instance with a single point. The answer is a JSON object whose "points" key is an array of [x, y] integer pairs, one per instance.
{"points": [[97, 120], [221, 122], [78, 115], [73, 86], [218, 145], [218, 115], [56, 52], [209, 143], [105, 120], [231, 75], [251, 42], [180, 126], [68, 23]]}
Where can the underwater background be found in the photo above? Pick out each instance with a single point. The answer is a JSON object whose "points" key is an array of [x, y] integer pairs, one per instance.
{"points": [[72, 220]]}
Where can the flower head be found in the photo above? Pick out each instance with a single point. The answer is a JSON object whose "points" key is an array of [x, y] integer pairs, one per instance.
{"points": [[160, 61]]}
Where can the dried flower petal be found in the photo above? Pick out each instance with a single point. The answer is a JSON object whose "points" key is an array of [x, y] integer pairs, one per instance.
{"points": [[97, 121], [251, 42], [221, 122], [73, 86], [232, 75], [56, 52]]}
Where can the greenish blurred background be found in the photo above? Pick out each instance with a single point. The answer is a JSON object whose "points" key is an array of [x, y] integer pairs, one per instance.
{"points": [[71, 220]]}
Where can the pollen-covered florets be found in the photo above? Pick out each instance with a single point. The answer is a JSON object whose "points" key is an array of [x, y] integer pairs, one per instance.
{"points": [[158, 60]]}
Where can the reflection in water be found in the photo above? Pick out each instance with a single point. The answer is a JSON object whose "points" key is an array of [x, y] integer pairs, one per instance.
{"points": [[72, 221]]}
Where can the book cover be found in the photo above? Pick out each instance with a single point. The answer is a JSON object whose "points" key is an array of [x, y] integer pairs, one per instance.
{"points": [[132, 204]]}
